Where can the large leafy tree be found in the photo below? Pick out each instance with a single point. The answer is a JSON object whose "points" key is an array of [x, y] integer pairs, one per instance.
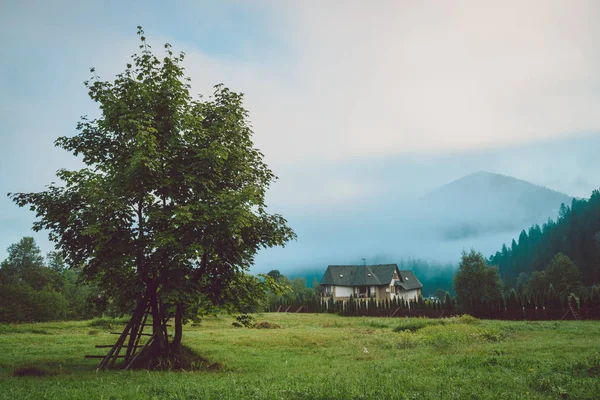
{"points": [[475, 281], [171, 204]]}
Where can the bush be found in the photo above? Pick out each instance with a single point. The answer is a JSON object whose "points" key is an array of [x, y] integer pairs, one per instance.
{"points": [[20, 303], [243, 320]]}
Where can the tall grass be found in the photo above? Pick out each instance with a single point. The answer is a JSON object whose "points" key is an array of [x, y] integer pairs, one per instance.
{"points": [[318, 357]]}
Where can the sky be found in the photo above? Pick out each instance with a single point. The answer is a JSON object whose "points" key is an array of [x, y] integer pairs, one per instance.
{"points": [[350, 101]]}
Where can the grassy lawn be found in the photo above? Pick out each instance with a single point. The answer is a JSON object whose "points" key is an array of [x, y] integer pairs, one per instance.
{"points": [[320, 357]]}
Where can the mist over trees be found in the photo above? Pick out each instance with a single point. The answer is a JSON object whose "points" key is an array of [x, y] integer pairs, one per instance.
{"points": [[575, 234]]}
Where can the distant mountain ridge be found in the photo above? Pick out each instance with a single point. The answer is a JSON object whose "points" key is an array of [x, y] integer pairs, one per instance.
{"points": [[480, 211], [485, 202], [485, 177]]}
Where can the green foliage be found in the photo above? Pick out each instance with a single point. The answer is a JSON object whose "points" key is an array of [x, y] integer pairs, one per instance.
{"points": [[433, 275], [537, 283], [171, 201], [275, 274], [448, 302], [575, 233], [475, 282], [563, 274], [25, 263], [552, 298], [244, 320], [32, 291], [512, 302], [20, 303]]}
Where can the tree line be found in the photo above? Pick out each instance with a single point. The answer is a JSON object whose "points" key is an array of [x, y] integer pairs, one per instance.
{"points": [[479, 287], [35, 288], [575, 234], [479, 291]]}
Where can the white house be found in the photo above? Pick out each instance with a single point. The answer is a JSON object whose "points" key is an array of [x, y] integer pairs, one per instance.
{"points": [[365, 281]]}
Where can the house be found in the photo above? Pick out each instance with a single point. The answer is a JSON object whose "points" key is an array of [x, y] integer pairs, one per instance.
{"points": [[365, 281]]}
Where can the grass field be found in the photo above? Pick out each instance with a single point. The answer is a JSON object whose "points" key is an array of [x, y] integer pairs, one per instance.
{"points": [[320, 357]]}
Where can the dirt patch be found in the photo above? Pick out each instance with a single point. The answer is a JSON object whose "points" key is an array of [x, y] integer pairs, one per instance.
{"points": [[266, 325], [32, 371], [186, 360]]}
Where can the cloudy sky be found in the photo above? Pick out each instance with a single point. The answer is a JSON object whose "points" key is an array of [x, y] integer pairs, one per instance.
{"points": [[350, 100]]}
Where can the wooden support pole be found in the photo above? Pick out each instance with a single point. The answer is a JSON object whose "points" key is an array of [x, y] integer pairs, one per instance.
{"points": [[138, 354], [117, 345]]}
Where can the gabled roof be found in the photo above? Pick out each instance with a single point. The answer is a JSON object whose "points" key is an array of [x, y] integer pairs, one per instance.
{"points": [[371, 275], [408, 281]]}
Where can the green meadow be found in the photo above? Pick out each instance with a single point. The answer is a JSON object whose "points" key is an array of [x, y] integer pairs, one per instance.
{"points": [[317, 356]]}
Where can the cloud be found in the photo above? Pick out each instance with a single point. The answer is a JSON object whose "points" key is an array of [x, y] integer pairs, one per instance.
{"points": [[396, 77], [351, 101]]}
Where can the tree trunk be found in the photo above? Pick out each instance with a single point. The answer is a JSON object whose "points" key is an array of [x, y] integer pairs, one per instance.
{"points": [[159, 350], [176, 343]]}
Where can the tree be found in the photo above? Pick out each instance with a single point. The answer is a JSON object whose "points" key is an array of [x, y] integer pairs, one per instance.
{"points": [[56, 262], [316, 286], [475, 282], [448, 302], [170, 208], [522, 280], [563, 274], [537, 283], [440, 294], [275, 274], [575, 233], [25, 264], [28, 289], [22, 256]]}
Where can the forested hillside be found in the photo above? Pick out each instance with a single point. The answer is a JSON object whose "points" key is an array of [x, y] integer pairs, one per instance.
{"points": [[575, 233]]}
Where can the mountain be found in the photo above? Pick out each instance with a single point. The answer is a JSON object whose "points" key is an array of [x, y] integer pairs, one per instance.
{"points": [[484, 203], [480, 211]]}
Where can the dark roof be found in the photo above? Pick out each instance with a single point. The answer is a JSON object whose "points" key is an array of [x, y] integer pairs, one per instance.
{"points": [[408, 281], [372, 275]]}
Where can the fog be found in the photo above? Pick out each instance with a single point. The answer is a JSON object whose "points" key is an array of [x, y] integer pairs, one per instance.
{"points": [[361, 109], [400, 208]]}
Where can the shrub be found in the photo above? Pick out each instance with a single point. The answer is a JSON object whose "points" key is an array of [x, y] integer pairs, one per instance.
{"points": [[243, 320], [20, 303]]}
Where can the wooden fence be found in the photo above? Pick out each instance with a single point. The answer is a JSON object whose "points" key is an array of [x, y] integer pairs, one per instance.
{"points": [[373, 308]]}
